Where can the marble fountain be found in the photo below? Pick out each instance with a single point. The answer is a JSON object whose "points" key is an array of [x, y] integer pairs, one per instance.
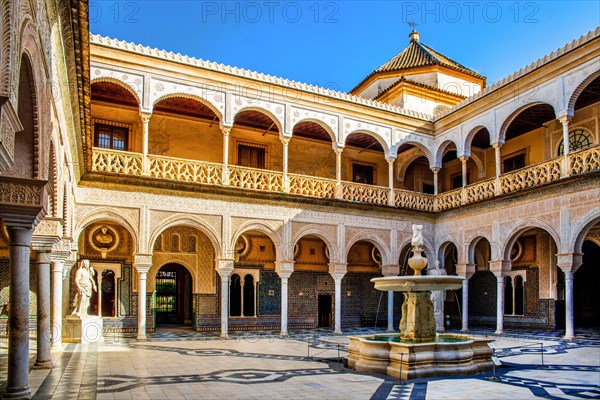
{"points": [[418, 352]]}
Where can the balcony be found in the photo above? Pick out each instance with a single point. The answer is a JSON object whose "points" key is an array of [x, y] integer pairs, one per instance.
{"points": [[206, 173]]}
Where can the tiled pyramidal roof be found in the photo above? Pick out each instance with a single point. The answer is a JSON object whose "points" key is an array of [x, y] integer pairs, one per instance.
{"points": [[419, 55]]}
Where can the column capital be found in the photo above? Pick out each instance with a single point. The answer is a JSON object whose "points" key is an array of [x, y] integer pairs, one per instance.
{"points": [[390, 160], [569, 262], [225, 266], [226, 130], [435, 170], [465, 270], [500, 267], [337, 270], [285, 140], [145, 116], [142, 262], [497, 144], [463, 159], [338, 150], [284, 268], [44, 257], [390, 270], [565, 119]]}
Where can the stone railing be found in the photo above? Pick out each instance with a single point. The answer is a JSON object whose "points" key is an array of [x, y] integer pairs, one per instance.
{"points": [[256, 179], [160, 167], [480, 190], [447, 200], [414, 200], [116, 162], [531, 176], [312, 186], [365, 193], [177, 169], [584, 161]]}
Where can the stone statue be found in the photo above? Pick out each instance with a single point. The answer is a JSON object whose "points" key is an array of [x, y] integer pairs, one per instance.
{"points": [[437, 298], [417, 239], [84, 281]]}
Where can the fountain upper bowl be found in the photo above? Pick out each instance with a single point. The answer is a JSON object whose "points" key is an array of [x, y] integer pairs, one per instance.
{"points": [[422, 283]]}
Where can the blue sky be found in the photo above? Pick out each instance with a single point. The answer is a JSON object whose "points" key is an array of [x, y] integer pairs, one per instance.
{"points": [[337, 43]]}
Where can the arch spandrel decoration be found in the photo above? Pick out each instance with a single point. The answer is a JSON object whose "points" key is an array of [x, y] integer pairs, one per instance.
{"points": [[507, 114], [327, 121], [133, 82], [382, 134], [208, 94], [275, 111]]}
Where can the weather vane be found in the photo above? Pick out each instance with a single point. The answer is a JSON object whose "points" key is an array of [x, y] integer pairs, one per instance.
{"points": [[412, 24]]}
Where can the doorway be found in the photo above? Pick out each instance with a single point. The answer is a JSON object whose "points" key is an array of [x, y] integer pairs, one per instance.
{"points": [[324, 311], [173, 295]]}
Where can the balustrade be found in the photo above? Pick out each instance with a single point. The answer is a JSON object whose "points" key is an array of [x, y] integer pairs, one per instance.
{"points": [[365, 193], [116, 162], [160, 167], [185, 170]]}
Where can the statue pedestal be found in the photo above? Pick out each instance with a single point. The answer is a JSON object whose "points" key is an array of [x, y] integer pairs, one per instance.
{"points": [[86, 329]]}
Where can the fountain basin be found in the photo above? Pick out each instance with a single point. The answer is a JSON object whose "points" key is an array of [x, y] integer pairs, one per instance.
{"points": [[418, 283], [446, 356]]}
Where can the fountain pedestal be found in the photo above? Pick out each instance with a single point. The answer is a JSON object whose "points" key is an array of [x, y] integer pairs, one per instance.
{"points": [[418, 323]]}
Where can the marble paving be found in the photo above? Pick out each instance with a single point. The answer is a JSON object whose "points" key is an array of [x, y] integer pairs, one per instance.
{"points": [[183, 364]]}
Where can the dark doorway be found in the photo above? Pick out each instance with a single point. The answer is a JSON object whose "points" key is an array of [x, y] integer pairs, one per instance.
{"points": [[173, 295], [108, 293], [248, 296], [235, 296], [586, 281], [324, 309]]}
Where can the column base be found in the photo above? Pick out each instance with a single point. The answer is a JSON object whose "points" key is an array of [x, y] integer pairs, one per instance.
{"points": [[142, 337], [338, 332], [568, 337], [224, 336], [499, 331], [464, 330], [43, 364], [17, 393], [390, 330]]}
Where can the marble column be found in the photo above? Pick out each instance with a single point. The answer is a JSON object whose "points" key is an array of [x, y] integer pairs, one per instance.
{"points": [[390, 312], [224, 269], [569, 324], [44, 358], [338, 304], [225, 178], [497, 158], [390, 270], [463, 161], [286, 179], [499, 304], [284, 269], [66, 284], [57, 303], [465, 305], [390, 161], [17, 383], [566, 143], [145, 134], [338, 171], [435, 180], [142, 290]]}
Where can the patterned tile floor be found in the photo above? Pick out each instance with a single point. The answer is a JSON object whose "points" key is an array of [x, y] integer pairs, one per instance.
{"points": [[182, 364]]}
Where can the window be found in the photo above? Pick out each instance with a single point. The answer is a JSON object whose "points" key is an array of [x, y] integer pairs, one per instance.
{"points": [[251, 155], [578, 139], [192, 244], [513, 162], [175, 242], [363, 173], [456, 180], [111, 136]]}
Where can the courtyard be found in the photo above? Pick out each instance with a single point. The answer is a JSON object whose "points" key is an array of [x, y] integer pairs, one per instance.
{"points": [[178, 363]]}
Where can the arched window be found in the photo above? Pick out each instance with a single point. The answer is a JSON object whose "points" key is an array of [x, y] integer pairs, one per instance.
{"points": [[175, 242], [578, 139], [235, 296], [248, 296], [519, 296], [508, 296], [192, 244]]}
